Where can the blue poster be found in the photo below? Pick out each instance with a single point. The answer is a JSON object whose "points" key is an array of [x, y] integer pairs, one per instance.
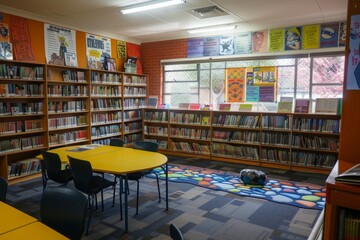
{"points": [[329, 33], [293, 38], [211, 46], [252, 93], [195, 47], [353, 71]]}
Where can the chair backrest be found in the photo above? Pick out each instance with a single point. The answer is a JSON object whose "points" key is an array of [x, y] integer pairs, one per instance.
{"points": [[117, 142], [82, 173], [3, 189], [52, 165], [147, 146], [175, 233], [64, 209]]}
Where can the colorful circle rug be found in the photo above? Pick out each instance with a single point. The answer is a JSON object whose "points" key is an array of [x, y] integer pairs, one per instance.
{"points": [[297, 194]]}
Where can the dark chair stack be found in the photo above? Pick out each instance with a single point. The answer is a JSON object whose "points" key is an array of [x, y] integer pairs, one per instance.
{"points": [[3, 189], [146, 146], [90, 184], [51, 169], [64, 210], [175, 232]]}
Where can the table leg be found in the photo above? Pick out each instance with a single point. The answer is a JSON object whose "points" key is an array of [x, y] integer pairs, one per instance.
{"points": [[120, 196], [126, 204], [167, 187]]}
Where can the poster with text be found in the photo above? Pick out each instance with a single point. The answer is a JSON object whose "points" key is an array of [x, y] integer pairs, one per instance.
{"points": [[353, 68], [227, 45], [276, 40], [58, 41], [252, 93], [4, 32], [293, 38], [311, 35], [265, 76], [329, 35], [22, 47], [266, 94], [98, 49], [243, 44], [195, 47], [342, 34], [121, 49], [260, 41], [211, 46], [235, 84]]}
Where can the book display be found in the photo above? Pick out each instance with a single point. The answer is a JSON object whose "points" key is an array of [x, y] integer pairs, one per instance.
{"points": [[22, 115], [305, 142]]}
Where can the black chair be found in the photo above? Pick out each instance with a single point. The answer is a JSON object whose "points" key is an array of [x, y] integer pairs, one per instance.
{"points": [[117, 142], [147, 146], [88, 183], [3, 189], [51, 169], [64, 210], [175, 233]]}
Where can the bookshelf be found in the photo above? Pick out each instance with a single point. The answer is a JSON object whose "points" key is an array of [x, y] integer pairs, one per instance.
{"points": [[47, 106], [303, 142], [23, 122]]}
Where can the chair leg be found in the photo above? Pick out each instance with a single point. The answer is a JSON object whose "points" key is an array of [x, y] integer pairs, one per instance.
{"points": [[120, 195], [114, 195], [137, 198], [91, 201], [102, 200], [158, 185]]}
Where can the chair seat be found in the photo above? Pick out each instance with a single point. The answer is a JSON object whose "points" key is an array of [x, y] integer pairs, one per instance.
{"points": [[64, 176]]}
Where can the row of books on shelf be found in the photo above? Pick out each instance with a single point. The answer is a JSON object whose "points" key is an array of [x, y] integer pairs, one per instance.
{"points": [[190, 147], [132, 115], [135, 91], [104, 77], [64, 122], [203, 134], [73, 76], [275, 138], [21, 126], [131, 126], [313, 159], [162, 144], [21, 72], [18, 144], [247, 121], [111, 117], [107, 91], [67, 90], [155, 130], [156, 116], [131, 138], [134, 103], [189, 118], [21, 90], [349, 224], [315, 142], [18, 108], [67, 137], [236, 136], [275, 155], [66, 106], [132, 79], [24, 167], [235, 151], [317, 125], [104, 104], [102, 131]]}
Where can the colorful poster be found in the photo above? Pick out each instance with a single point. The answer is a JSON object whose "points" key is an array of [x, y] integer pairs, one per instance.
{"points": [[58, 42], [276, 41], [266, 94], [195, 47], [342, 34], [265, 76], [21, 39], [260, 41], [329, 35], [249, 79], [121, 49], [98, 49], [252, 93], [293, 38], [4, 32], [6, 51], [353, 70], [311, 35], [211, 46], [227, 45], [243, 44], [235, 84]]}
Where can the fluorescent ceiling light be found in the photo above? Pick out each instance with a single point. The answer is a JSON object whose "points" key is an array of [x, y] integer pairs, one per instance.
{"points": [[153, 5], [212, 29]]}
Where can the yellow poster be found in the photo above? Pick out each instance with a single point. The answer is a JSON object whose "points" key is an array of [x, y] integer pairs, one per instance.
{"points": [[311, 36], [276, 40], [235, 84], [121, 49], [264, 76]]}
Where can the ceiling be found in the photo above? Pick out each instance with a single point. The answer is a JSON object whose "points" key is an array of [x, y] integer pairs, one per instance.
{"points": [[102, 17]]}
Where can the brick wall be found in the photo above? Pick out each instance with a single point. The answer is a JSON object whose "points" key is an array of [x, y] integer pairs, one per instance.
{"points": [[151, 55]]}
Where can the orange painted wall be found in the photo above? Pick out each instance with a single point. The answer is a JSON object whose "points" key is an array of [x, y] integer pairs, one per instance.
{"points": [[350, 127], [151, 55]]}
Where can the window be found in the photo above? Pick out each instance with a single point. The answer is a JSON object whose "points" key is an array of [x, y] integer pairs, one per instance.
{"points": [[301, 77]]}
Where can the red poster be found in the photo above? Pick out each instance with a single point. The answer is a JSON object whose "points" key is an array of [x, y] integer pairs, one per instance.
{"points": [[21, 39], [133, 50], [235, 81]]}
